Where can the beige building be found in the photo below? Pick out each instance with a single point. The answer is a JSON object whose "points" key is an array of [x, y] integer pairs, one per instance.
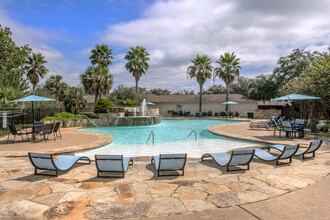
{"points": [[168, 103]]}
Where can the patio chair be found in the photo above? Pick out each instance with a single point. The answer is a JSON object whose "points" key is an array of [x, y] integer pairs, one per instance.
{"points": [[47, 130], [289, 129], [312, 129], [277, 128], [38, 127], [313, 147], [287, 153], [198, 114], [57, 130], [175, 113], [112, 164], [188, 114], [236, 158], [13, 131], [169, 162], [46, 162]]}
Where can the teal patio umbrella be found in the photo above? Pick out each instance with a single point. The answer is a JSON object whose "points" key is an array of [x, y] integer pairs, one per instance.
{"points": [[295, 96], [150, 103], [229, 103], [32, 99]]}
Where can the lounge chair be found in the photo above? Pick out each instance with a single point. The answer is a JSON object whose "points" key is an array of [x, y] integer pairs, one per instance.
{"points": [[13, 131], [259, 125], [313, 146], [236, 158], [287, 153], [112, 164], [198, 114], [169, 162], [175, 113], [57, 130], [46, 162], [188, 114]]}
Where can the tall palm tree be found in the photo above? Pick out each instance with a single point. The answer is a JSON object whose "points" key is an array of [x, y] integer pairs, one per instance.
{"points": [[75, 99], [97, 80], [228, 70], [56, 87], [137, 62], [101, 55], [201, 70], [35, 68]]}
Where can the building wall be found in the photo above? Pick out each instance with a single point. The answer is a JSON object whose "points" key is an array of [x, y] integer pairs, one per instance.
{"points": [[241, 108]]}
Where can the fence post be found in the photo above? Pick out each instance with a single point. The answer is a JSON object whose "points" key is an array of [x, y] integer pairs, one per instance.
{"points": [[12, 118]]}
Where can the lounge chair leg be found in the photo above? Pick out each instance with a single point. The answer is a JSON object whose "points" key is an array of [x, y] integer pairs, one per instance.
{"points": [[276, 162], [158, 173], [303, 156], [227, 168], [98, 174], [290, 159], [56, 174], [35, 171], [54, 136], [248, 166], [314, 154], [182, 172]]}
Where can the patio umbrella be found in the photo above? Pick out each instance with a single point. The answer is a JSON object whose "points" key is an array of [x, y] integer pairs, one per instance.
{"points": [[229, 103], [150, 103], [32, 99], [295, 96]]}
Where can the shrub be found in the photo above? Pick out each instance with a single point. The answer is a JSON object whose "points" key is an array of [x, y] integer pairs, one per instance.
{"points": [[131, 103], [102, 106], [62, 116], [323, 126]]}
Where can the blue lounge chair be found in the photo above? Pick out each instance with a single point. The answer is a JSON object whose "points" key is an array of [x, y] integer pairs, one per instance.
{"points": [[112, 164], [46, 162], [313, 146], [287, 153], [169, 162], [236, 158]]}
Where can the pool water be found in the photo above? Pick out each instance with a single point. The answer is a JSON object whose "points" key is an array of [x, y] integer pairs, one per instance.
{"points": [[170, 136]]}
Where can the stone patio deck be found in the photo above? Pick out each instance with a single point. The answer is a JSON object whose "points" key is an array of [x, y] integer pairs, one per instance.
{"points": [[206, 191]]}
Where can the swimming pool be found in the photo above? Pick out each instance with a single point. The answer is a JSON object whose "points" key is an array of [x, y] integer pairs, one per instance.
{"points": [[170, 137]]}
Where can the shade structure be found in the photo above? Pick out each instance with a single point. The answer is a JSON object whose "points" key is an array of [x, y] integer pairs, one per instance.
{"points": [[150, 103], [229, 103], [295, 96], [32, 99]]}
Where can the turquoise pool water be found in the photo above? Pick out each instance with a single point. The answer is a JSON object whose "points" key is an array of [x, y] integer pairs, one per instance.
{"points": [[170, 137], [167, 131]]}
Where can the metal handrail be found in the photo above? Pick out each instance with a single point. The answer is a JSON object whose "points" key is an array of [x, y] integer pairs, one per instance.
{"points": [[153, 137], [89, 120], [193, 131]]}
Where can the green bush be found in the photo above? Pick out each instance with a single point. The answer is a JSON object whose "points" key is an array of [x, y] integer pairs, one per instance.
{"points": [[102, 106], [62, 116], [131, 103], [323, 126]]}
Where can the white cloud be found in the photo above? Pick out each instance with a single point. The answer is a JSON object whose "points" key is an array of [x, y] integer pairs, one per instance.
{"points": [[258, 31]]}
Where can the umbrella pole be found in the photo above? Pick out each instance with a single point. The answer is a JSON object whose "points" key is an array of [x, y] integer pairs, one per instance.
{"points": [[33, 137]]}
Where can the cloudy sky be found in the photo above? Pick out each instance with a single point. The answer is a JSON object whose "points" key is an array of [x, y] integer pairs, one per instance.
{"points": [[173, 31]]}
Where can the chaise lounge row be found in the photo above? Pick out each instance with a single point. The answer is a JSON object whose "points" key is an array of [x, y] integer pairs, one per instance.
{"points": [[170, 162]]}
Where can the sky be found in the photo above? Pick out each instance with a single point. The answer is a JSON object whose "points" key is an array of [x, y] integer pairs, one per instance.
{"points": [[172, 31]]}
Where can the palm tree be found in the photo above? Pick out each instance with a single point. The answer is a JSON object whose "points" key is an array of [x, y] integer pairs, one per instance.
{"points": [[201, 70], [97, 80], [56, 87], [75, 99], [228, 70], [101, 55], [137, 63], [35, 68]]}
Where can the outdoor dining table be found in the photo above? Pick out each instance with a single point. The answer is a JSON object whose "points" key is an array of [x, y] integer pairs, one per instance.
{"points": [[300, 128], [33, 129]]}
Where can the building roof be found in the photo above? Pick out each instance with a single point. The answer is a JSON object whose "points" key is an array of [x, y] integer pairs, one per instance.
{"points": [[195, 98]]}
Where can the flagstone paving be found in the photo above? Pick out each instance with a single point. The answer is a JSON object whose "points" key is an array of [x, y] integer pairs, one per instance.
{"points": [[78, 194]]}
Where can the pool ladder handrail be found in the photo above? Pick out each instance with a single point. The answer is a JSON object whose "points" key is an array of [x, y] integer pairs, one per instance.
{"points": [[153, 137], [193, 131]]}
